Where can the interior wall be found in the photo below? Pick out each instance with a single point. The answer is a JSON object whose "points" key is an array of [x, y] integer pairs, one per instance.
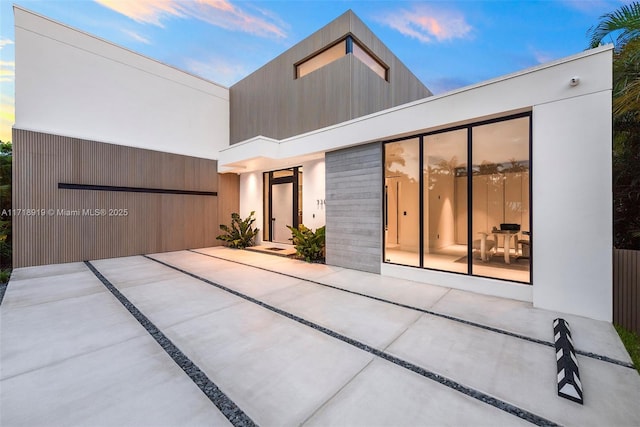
{"points": [[392, 208], [408, 215], [506, 201], [442, 210], [461, 210], [403, 212]]}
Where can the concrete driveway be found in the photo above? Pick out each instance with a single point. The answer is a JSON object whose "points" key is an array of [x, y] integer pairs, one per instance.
{"points": [[218, 336]]}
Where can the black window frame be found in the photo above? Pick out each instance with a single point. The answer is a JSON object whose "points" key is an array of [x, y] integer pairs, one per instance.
{"points": [[468, 127], [349, 40]]}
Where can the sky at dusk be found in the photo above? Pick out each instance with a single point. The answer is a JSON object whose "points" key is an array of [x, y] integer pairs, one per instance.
{"points": [[446, 44]]}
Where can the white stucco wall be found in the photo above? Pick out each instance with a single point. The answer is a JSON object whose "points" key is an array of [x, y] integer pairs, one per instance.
{"points": [[313, 195], [571, 172], [572, 206], [251, 199], [74, 84]]}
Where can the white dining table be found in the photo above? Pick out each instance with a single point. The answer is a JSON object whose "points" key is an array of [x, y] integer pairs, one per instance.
{"points": [[507, 234]]}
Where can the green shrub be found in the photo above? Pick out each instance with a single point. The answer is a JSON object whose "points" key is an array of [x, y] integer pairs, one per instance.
{"points": [[241, 234], [5, 274], [309, 244]]}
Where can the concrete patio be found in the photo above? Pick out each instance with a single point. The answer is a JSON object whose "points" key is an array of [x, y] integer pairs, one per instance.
{"points": [[287, 343]]}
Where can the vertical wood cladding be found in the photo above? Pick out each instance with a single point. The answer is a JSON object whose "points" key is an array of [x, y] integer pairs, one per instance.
{"points": [[354, 207], [271, 102], [228, 199], [73, 225], [626, 289]]}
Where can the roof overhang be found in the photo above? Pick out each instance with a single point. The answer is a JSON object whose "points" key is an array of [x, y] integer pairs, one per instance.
{"points": [[510, 94]]}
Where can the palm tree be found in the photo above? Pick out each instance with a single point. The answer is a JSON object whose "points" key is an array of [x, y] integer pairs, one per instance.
{"points": [[624, 23], [625, 20]]}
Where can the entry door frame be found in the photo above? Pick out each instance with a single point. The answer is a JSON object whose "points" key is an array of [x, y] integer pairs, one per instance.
{"points": [[294, 181]]}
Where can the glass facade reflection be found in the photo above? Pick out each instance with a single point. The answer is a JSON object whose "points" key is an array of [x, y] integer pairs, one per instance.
{"points": [[342, 48], [445, 203], [442, 214], [402, 207]]}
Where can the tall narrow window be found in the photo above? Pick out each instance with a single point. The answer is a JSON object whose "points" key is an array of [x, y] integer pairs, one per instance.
{"points": [[402, 202], [501, 198], [445, 201]]}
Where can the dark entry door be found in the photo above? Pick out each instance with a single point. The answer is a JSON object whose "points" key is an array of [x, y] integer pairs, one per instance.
{"points": [[283, 203]]}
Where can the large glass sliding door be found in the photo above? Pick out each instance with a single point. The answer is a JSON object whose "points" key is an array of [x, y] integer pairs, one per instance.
{"points": [[445, 206], [501, 198], [440, 213], [402, 207]]}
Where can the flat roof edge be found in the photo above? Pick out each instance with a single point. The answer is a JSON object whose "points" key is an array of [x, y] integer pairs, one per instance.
{"points": [[100, 39], [433, 98]]}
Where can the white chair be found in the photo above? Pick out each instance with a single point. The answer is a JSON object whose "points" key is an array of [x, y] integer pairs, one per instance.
{"points": [[484, 246]]}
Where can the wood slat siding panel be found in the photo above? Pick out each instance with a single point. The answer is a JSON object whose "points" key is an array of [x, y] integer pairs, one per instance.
{"points": [[353, 186], [228, 199], [340, 91], [626, 289], [155, 222]]}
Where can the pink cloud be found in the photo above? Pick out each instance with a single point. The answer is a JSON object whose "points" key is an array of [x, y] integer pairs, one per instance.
{"points": [[427, 24], [221, 13], [145, 11], [224, 14]]}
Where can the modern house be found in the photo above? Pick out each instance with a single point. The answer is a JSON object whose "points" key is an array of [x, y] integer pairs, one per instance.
{"points": [[501, 188]]}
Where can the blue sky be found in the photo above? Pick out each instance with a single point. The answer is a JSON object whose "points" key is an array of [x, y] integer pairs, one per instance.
{"points": [[447, 44]]}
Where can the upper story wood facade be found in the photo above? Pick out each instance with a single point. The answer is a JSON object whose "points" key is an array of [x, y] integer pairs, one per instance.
{"points": [[275, 103]]}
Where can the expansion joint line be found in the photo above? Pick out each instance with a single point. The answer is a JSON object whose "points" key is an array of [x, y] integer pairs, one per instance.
{"points": [[476, 394], [229, 409], [433, 313]]}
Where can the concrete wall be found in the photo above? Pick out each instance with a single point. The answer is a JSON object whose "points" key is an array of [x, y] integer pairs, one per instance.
{"points": [[354, 207], [71, 83]]}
